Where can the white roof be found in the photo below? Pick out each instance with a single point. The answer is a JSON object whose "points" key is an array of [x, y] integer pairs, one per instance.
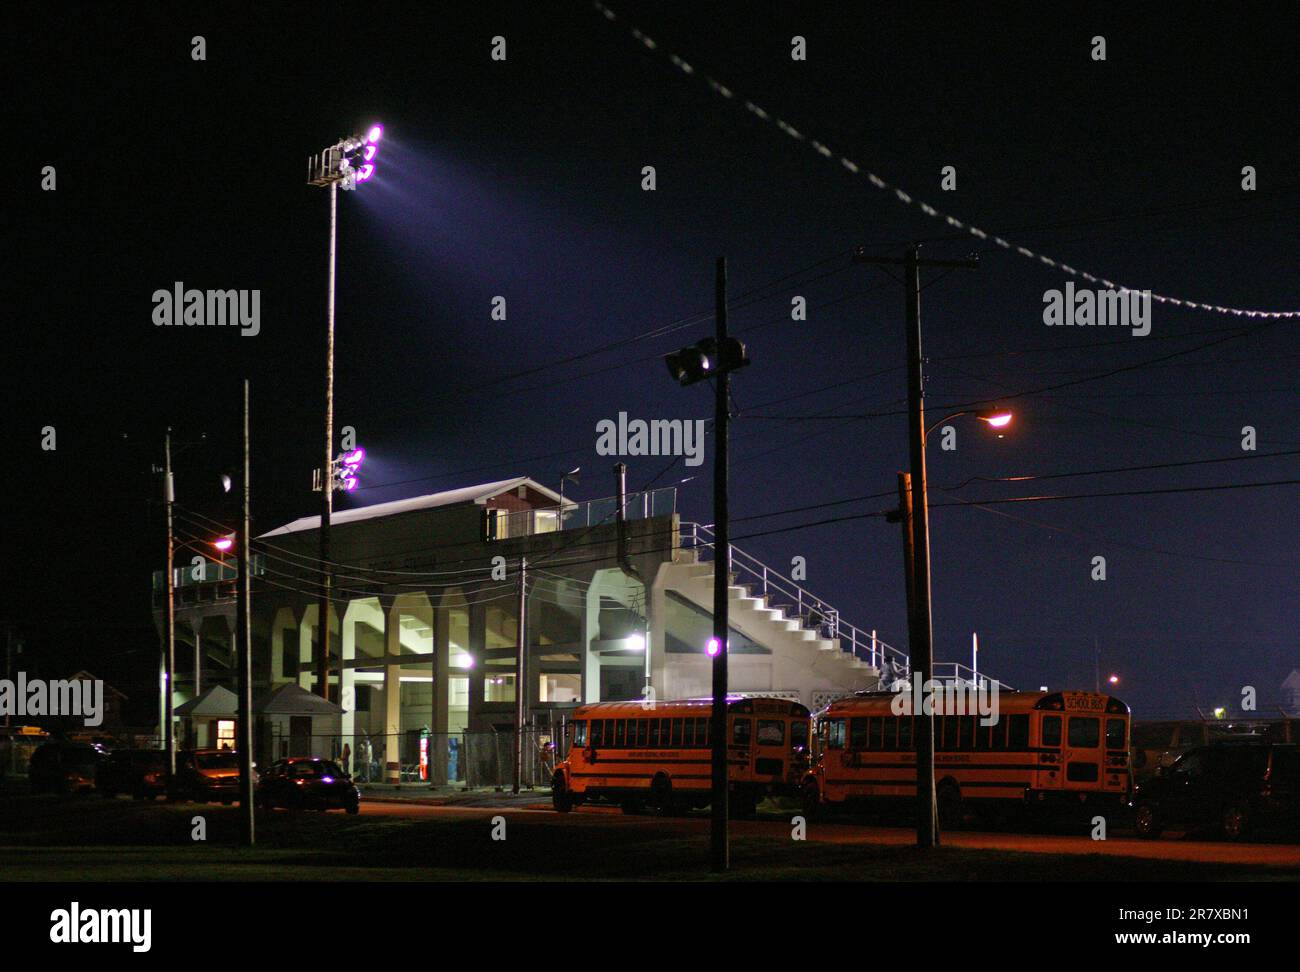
{"points": [[478, 494]]}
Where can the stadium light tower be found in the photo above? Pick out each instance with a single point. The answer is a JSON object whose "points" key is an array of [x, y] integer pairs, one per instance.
{"points": [[346, 163]]}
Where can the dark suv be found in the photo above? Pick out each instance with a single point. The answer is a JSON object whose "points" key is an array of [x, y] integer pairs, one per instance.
{"points": [[306, 782], [205, 774], [64, 767], [1238, 787], [139, 772]]}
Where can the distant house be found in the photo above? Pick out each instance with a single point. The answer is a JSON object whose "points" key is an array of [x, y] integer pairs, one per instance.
{"points": [[1291, 693], [111, 716]]}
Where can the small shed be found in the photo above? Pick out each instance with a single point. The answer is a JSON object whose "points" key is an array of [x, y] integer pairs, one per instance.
{"points": [[294, 722], [209, 720]]}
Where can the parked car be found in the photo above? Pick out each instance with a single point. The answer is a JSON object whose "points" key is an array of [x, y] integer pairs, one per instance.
{"points": [[1238, 786], [205, 775], [307, 782], [139, 772], [63, 767]]}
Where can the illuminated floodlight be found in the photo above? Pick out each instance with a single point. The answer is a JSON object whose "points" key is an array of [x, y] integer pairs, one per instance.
{"points": [[713, 647], [1114, 680], [224, 543], [376, 131], [354, 457], [365, 172], [635, 641], [348, 483], [369, 151]]}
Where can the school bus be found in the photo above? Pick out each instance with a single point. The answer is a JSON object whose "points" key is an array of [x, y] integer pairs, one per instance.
{"points": [[1044, 748], [658, 754]]}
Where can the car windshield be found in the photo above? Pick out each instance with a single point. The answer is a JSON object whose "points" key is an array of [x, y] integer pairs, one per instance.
{"points": [[214, 761]]}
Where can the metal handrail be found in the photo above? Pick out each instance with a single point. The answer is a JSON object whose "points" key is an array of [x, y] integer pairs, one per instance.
{"points": [[814, 612], [811, 610]]}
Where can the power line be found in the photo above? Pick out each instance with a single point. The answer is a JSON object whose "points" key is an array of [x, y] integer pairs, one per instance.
{"points": [[907, 199]]}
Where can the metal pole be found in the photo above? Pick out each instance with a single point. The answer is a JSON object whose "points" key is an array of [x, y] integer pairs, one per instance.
{"points": [[169, 659], [927, 829], [521, 668], [721, 581], [327, 471], [244, 744], [909, 553]]}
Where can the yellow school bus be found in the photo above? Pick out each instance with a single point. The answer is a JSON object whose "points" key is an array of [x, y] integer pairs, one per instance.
{"points": [[657, 754], [1042, 748]]}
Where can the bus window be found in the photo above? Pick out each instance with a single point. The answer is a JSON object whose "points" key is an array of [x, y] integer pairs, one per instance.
{"points": [[702, 733], [1085, 731], [1115, 734], [740, 732], [981, 735], [890, 742], [677, 733], [1052, 730], [597, 732], [873, 739], [620, 733], [653, 742], [834, 733], [579, 727], [799, 734], [966, 730], [998, 735], [771, 732], [905, 733], [857, 734], [1018, 732], [642, 732]]}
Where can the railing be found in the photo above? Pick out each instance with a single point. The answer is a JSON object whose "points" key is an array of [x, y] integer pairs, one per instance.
{"points": [[957, 672], [209, 572], [597, 512], [811, 610]]}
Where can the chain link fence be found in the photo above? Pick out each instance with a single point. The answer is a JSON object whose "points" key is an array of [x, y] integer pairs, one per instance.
{"points": [[417, 756]]}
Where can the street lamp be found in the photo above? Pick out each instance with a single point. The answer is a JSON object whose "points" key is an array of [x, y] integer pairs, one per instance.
{"points": [[719, 355], [346, 163]]}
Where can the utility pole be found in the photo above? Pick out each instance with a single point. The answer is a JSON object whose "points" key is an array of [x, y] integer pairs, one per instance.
{"points": [[920, 635], [721, 854], [1096, 665], [169, 659], [327, 471], [244, 744], [521, 671]]}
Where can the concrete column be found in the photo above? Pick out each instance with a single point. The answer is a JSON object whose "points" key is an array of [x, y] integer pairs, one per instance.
{"points": [[477, 645], [591, 631], [657, 630], [197, 630], [441, 671], [392, 692]]}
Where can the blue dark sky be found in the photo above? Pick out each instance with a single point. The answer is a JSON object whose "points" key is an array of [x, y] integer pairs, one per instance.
{"points": [[522, 178]]}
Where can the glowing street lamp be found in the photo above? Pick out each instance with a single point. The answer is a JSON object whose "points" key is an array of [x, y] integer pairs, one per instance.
{"points": [[1114, 679], [224, 543]]}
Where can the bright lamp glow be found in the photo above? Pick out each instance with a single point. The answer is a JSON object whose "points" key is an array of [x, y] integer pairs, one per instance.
{"points": [[1000, 420], [713, 646], [376, 131], [369, 151], [1114, 680], [354, 457], [224, 543], [635, 641], [365, 172]]}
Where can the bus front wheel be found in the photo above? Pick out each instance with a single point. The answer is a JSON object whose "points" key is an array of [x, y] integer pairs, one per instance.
{"points": [[950, 806], [661, 795], [561, 798]]}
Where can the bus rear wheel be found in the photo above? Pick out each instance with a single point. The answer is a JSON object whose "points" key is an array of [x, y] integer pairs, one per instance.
{"points": [[561, 798], [661, 795], [811, 799]]}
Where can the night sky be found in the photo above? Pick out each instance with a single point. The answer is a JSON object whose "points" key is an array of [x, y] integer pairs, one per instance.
{"points": [[522, 178]]}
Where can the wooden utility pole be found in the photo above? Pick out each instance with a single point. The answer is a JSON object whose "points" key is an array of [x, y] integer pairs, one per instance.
{"points": [[169, 659], [244, 634], [920, 635], [721, 855], [521, 671]]}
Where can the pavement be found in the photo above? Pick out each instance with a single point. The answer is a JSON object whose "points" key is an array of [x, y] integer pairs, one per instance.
{"points": [[453, 796]]}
